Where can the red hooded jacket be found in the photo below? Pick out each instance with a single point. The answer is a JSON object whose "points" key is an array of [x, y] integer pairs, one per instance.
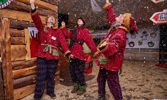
{"points": [[111, 58]]}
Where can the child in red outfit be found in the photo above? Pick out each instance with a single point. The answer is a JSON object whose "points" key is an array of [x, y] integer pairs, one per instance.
{"points": [[50, 39], [111, 52], [80, 35]]}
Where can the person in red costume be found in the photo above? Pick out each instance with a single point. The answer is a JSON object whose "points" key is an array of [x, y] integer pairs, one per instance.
{"points": [[47, 57], [111, 52], [80, 35]]}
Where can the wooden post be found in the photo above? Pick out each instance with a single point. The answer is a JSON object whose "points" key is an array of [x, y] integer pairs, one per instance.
{"points": [[1, 75], [1, 83], [27, 40], [6, 60]]}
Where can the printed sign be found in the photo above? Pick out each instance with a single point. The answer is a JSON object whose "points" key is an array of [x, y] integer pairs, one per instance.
{"points": [[159, 17]]}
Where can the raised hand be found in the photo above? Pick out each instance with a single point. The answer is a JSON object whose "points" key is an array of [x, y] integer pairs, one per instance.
{"points": [[107, 4], [32, 1], [107, 1]]}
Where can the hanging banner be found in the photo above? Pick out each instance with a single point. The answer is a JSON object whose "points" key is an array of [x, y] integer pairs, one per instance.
{"points": [[159, 17], [4, 3], [34, 41]]}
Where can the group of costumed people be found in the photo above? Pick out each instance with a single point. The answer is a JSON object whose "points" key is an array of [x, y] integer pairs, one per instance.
{"points": [[109, 53]]}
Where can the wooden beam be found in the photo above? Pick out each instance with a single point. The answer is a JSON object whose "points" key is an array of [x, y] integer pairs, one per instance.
{"points": [[18, 41], [22, 92], [42, 4], [23, 64], [24, 72], [21, 25], [6, 60], [17, 33], [19, 6], [27, 40], [22, 82], [17, 15]]}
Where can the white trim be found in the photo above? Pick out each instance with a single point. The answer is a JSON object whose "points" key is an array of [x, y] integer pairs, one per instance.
{"points": [[6, 4], [157, 22]]}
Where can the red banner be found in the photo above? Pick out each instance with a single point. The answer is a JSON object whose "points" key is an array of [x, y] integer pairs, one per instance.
{"points": [[159, 17]]}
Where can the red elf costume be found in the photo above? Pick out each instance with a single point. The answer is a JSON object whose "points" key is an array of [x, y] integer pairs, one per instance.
{"points": [[111, 52], [50, 40], [80, 35]]}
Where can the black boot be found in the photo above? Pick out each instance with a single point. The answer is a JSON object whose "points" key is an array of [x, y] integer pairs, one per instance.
{"points": [[37, 98], [75, 88], [52, 96]]}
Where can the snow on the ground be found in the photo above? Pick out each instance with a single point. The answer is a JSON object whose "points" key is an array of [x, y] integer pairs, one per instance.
{"points": [[139, 81]]}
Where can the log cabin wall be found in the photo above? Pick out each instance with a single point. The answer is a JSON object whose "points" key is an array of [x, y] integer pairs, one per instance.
{"points": [[17, 65], [0, 38], [1, 83]]}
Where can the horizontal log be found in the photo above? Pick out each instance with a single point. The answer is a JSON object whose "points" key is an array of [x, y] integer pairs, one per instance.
{"points": [[16, 33], [22, 82], [19, 6], [28, 80], [18, 41], [55, 2], [16, 24], [42, 4], [24, 72], [45, 12], [22, 92], [27, 90], [18, 52], [17, 15], [23, 64]]}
